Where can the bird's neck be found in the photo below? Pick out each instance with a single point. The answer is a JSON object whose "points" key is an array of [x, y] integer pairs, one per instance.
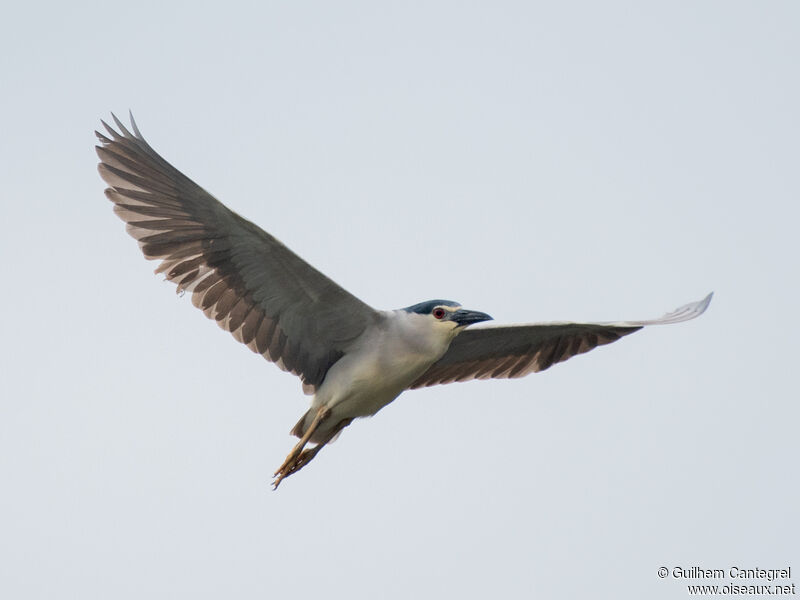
{"points": [[418, 336]]}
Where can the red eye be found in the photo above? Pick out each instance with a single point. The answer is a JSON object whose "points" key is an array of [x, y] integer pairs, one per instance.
{"points": [[438, 313]]}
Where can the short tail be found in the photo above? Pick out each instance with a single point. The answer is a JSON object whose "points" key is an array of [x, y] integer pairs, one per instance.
{"points": [[300, 428]]}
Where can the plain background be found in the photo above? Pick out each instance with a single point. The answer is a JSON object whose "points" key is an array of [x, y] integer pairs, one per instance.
{"points": [[535, 160]]}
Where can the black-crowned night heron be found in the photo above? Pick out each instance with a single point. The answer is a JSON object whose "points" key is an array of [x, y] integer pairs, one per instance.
{"points": [[353, 359]]}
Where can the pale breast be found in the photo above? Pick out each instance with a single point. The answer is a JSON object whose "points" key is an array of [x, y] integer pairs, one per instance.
{"points": [[381, 366]]}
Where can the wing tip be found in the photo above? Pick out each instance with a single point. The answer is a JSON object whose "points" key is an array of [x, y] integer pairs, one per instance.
{"points": [[123, 131], [702, 305], [135, 127], [695, 309], [687, 312]]}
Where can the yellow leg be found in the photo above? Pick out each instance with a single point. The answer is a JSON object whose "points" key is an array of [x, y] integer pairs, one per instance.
{"points": [[297, 459], [322, 414]]}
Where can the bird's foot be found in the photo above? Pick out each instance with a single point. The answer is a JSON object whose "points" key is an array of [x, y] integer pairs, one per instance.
{"points": [[298, 462], [295, 461], [299, 457]]}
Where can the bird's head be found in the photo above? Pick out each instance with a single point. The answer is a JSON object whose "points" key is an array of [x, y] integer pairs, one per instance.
{"points": [[447, 314]]}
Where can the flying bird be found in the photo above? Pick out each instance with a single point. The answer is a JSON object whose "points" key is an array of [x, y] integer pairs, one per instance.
{"points": [[352, 358]]}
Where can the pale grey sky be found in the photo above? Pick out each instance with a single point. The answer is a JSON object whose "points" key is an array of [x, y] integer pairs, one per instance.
{"points": [[538, 161]]}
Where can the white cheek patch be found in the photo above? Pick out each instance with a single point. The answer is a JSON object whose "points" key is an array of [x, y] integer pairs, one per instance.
{"points": [[449, 310]]}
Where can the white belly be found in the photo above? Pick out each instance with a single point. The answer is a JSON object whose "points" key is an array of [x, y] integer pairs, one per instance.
{"points": [[358, 387], [363, 382]]}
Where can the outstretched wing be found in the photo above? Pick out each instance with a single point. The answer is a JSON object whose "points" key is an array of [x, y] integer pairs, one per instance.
{"points": [[504, 352], [239, 275]]}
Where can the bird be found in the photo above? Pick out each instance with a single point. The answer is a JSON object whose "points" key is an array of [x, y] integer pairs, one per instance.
{"points": [[351, 358]]}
